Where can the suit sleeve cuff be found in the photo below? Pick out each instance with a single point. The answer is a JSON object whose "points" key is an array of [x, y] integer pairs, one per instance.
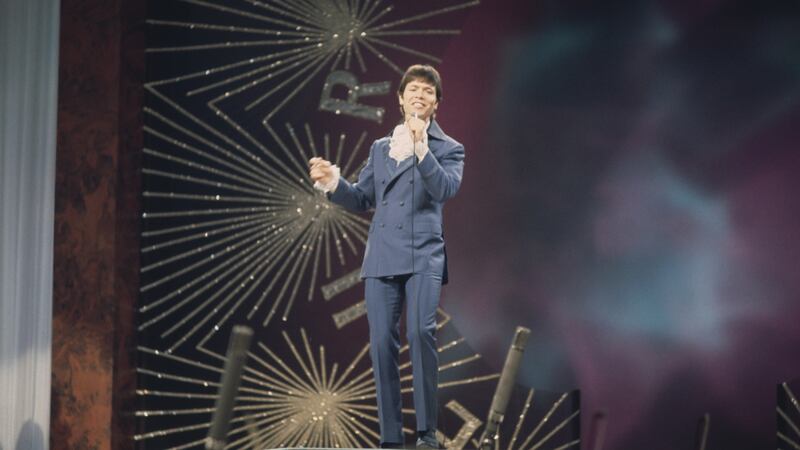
{"points": [[422, 149], [427, 166]]}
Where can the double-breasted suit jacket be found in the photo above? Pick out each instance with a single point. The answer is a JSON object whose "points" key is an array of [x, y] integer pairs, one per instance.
{"points": [[406, 234]]}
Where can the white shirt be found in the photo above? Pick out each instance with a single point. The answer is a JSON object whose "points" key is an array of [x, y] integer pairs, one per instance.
{"points": [[401, 145]]}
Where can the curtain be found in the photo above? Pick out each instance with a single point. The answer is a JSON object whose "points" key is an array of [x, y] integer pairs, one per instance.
{"points": [[28, 84]]}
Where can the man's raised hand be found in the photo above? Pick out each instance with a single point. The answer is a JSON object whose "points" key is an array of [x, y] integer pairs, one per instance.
{"points": [[417, 128], [320, 170]]}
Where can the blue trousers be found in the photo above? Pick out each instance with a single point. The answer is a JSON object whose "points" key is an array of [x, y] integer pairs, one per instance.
{"points": [[385, 298]]}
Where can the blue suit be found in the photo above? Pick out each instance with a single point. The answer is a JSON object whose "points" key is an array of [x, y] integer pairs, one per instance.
{"points": [[405, 259]]}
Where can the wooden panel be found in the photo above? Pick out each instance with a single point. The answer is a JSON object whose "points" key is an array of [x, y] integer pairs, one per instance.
{"points": [[96, 222]]}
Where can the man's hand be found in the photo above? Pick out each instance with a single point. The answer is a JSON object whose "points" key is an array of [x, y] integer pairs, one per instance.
{"points": [[417, 128], [321, 170]]}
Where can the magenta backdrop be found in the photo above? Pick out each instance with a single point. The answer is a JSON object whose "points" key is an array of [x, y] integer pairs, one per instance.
{"points": [[629, 195]]}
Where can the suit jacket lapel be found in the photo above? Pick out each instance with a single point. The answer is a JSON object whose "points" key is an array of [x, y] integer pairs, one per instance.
{"points": [[398, 169], [434, 133], [391, 164]]}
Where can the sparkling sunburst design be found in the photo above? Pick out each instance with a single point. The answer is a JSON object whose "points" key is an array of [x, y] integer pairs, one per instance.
{"points": [[244, 236], [280, 403], [292, 41], [294, 400], [232, 224], [543, 433], [301, 41]]}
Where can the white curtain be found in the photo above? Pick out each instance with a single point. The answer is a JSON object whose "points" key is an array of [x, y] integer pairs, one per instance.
{"points": [[28, 83]]}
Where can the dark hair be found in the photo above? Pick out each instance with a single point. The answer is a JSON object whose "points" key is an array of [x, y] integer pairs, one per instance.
{"points": [[422, 72]]}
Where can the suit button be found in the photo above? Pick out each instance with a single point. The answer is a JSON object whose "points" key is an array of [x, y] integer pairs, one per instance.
{"points": [[383, 181], [384, 203], [403, 203], [382, 225], [399, 226], [411, 181]]}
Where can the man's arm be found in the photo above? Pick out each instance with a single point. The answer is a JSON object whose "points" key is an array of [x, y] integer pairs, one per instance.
{"points": [[359, 196], [442, 178]]}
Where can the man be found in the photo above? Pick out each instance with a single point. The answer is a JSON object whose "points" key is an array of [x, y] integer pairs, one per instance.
{"points": [[407, 178]]}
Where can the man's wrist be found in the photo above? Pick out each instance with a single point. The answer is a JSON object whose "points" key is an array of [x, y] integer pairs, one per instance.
{"points": [[421, 149], [331, 185]]}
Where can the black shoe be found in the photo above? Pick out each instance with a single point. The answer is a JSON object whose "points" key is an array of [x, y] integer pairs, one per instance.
{"points": [[428, 440]]}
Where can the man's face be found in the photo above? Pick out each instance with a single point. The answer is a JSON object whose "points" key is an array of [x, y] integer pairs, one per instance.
{"points": [[419, 96]]}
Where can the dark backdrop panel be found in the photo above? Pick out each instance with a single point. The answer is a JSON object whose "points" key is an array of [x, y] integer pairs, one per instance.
{"points": [[239, 95]]}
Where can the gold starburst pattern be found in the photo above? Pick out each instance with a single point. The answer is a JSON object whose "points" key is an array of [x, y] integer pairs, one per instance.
{"points": [[302, 41], [299, 39], [298, 399], [543, 434], [232, 222], [229, 232], [301, 401]]}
